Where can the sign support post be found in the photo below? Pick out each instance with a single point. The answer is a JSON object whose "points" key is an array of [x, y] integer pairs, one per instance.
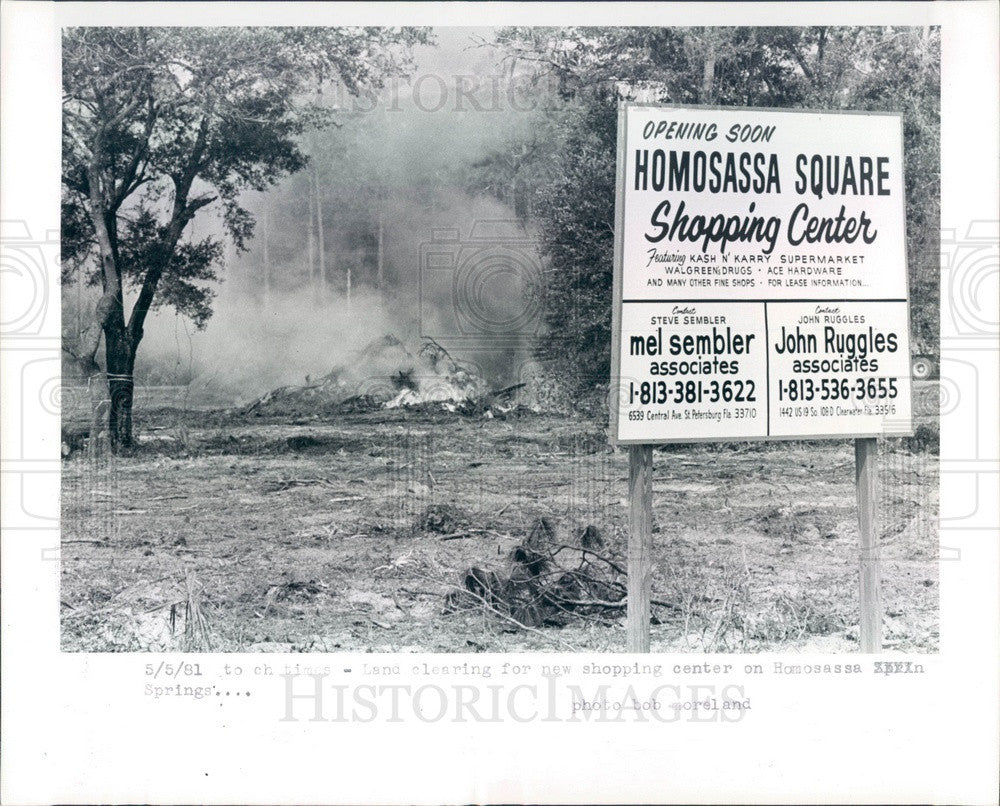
{"points": [[760, 293], [640, 546], [865, 458]]}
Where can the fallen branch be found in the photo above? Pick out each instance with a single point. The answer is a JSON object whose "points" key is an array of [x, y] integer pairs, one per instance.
{"points": [[613, 565], [490, 608], [369, 618]]}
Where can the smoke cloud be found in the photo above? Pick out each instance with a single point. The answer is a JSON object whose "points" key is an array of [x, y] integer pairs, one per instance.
{"points": [[456, 266]]}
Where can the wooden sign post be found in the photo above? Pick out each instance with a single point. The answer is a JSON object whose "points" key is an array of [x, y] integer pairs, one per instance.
{"points": [[760, 293], [640, 545], [865, 476]]}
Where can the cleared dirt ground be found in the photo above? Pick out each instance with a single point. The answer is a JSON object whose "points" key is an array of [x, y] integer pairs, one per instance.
{"points": [[234, 533]]}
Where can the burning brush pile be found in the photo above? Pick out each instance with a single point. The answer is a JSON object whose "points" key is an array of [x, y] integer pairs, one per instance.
{"points": [[548, 582], [385, 374], [437, 378]]}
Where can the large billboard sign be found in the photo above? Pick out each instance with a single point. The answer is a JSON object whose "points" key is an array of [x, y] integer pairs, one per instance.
{"points": [[760, 276]]}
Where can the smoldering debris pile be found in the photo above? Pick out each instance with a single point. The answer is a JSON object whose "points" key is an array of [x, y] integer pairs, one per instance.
{"points": [[386, 375], [374, 374], [548, 581], [438, 378]]}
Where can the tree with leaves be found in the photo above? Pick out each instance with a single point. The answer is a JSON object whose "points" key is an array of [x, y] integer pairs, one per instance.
{"points": [[161, 123]]}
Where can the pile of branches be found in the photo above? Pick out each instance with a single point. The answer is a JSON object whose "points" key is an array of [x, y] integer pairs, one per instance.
{"points": [[548, 582], [386, 375]]}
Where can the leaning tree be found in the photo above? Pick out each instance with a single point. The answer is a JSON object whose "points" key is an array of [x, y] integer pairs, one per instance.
{"points": [[160, 123]]}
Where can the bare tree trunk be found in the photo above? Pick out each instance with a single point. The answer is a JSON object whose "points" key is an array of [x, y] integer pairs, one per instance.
{"points": [[119, 354], [322, 241], [109, 315], [380, 258], [79, 306], [267, 253], [708, 73], [332, 261], [312, 242]]}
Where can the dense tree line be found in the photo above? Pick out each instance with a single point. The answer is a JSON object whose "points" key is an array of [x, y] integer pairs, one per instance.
{"points": [[570, 173]]}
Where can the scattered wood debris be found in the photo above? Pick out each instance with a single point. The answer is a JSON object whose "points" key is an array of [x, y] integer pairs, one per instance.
{"points": [[547, 581]]}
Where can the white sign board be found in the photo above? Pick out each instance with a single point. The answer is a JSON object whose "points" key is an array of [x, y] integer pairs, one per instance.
{"points": [[760, 276]]}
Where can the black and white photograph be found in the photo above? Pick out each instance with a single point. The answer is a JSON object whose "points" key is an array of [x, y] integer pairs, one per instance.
{"points": [[465, 402], [337, 326]]}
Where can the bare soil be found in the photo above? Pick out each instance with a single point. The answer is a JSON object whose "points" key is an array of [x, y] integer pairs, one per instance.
{"points": [[229, 532]]}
